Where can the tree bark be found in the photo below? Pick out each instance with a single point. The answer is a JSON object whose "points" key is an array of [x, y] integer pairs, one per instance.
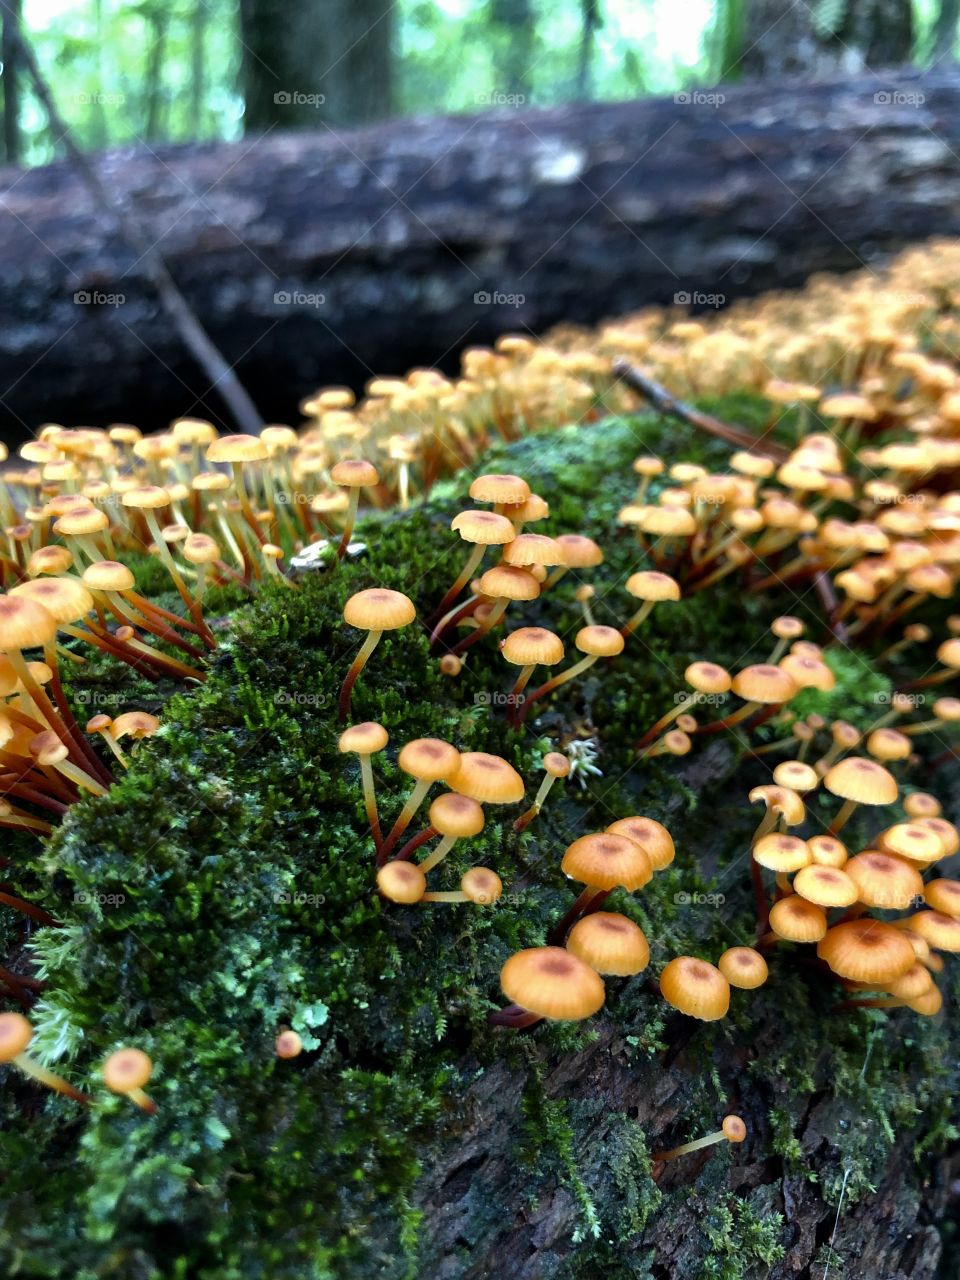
{"points": [[786, 39], [11, 12], [313, 258]]}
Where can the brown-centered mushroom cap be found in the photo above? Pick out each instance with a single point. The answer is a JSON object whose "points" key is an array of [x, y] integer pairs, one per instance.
{"points": [[743, 967], [500, 489], [24, 623], [610, 943], [599, 641], [402, 881], [605, 860], [509, 582], [363, 739], [780, 852], [652, 836], [127, 1069], [708, 677], [883, 880], [135, 724], [861, 780], [456, 815], [379, 609], [866, 950], [579, 552], [797, 920], [826, 886], [764, 683], [533, 548], [649, 584], [552, 983], [236, 448], [429, 759], [354, 473], [530, 645], [487, 778], [483, 527], [108, 575], [67, 599], [146, 497], [696, 988]]}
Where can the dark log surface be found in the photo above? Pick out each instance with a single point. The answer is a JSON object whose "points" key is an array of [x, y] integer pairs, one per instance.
{"points": [[582, 212]]}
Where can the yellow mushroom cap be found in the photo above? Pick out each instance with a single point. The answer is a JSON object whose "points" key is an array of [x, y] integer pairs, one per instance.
{"points": [[379, 609], [127, 1069], [696, 988], [146, 497], [556, 764], [787, 627], [915, 982], [861, 780], [827, 851], [605, 860], [15, 1034], [648, 584], [364, 738], [67, 599], [780, 852], [288, 1044], [599, 641], [530, 645], [667, 521], [200, 548], [734, 1130], [928, 1004], [648, 466], [808, 673], [108, 575], [610, 943], [796, 775], [97, 724], [456, 815], [552, 983], [429, 759], [708, 677], [883, 880], [652, 836], [866, 950], [484, 527], [888, 744], [52, 559], [193, 431], [135, 724], [781, 800], [500, 489], [579, 551], [743, 967], [946, 831], [764, 683], [797, 920], [940, 930], [489, 779], [949, 652], [826, 886], [944, 896], [913, 840], [209, 481], [81, 520], [236, 448], [481, 885], [532, 549], [24, 623], [509, 582], [401, 881], [354, 473]]}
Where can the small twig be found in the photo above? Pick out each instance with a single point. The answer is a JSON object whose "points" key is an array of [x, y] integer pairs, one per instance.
{"points": [[664, 402]]}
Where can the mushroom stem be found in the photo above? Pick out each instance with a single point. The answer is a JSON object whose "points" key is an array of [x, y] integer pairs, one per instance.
{"points": [[452, 617], [30, 1067], [412, 845], [640, 616], [82, 779], [590, 900], [350, 679], [497, 611], [842, 817], [28, 909], [554, 577], [689, 700], [525, 819], [466, 573], [142, 1100], [570, 674], [440, 852], [42, 703], [90, 757], [710, 1140], [513, 1016], [163, 551], [405, 817], [350, 519], [728, 722], [370, 800], [447, 895], [514, 697], [241, 490], [759, 898]]}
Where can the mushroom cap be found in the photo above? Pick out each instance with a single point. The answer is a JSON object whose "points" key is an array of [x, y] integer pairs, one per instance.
{"points": [[481, 885], [127, 1069], [949, 836], [200, 548], [610, 943], [535, 508], [733, 1128], [484, 527], [949, 652], [429, 759], [943, 895], [599, 641], [797, 920], [15, 1034], [889, 744], [81, 520], [947, 709], [647, 465], [826, 886], [652, 836], [781, 800], [915, 982], [48, 748], [556, 764], [695, 987], [827, 851], [288, 1044], [52, 559], [25, 623], [97, 723], [861, 780], [108, 575], [780, 852], [509, 582], [668, 522], [649, 584], [708, 677], [146, 497], [500, 489], [487, 778], [67, 599], [787, 627], [194, 431], [236, 448], [605, 860], [883, 880], [866, 950], [579, 551], [808, 673], [764, 683], [135, 724], [928, 1004], [363, 738], [379, 609], [796, 775], [401, 881], [456, 815], [940, 930], [912, 840], [552, 983], [354, 473], [743, 967], [529, 645], [209, 481], [533, 548]]}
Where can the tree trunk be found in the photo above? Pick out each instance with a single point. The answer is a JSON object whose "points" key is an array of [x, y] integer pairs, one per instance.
{"points": [[787, 39], [314, 258], [514, 32], [11, 12], [945, 30], [303, 65]]}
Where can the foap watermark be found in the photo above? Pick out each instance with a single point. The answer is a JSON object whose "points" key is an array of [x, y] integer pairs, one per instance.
{"points": [[88, 898], [899, 98], [95, 298], [697, 98], [297, 298], [694, 298], [683, 899], [299, 699], [100, 99], [496, 699], [699, 699], [498, 99], [284, 898], [484, 298], [899, 699], [296, 98]]}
